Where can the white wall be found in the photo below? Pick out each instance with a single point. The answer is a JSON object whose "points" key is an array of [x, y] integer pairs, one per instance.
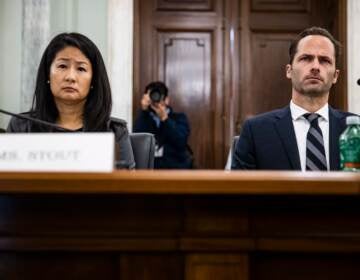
{"points": [[10, 56], [35, 37], [120, 57], [1, 55], [1, 47], [88, 17], [353, 34]]}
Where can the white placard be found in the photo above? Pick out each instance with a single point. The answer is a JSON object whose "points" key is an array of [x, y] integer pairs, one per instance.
{"points": [[57, 152]]}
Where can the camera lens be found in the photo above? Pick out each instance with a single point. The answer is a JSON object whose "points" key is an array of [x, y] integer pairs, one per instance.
{"points": [[155, 96]]}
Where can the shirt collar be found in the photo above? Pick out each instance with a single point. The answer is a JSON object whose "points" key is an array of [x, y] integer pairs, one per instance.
{"points": [[297, 112]]}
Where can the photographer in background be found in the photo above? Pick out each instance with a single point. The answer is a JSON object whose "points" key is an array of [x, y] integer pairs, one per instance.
{"points": [[171, 129]]}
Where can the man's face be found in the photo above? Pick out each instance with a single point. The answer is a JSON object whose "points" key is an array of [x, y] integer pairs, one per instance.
{"points": [[313, 70]]}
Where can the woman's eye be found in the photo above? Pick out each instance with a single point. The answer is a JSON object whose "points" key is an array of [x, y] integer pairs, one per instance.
{"points": [[82, 69], [62, 66]]}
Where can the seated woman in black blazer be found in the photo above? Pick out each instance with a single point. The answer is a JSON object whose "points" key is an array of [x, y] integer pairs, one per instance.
{"points": [[73, 91]]}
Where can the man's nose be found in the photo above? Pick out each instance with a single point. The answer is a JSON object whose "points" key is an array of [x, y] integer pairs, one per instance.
{"points": [[315, 65]]}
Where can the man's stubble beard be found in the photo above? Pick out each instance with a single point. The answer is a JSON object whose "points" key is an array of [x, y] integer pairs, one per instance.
{"points": [[314, 93]]}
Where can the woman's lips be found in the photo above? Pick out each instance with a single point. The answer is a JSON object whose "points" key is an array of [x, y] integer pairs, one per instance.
{"points": [[69, 89]]}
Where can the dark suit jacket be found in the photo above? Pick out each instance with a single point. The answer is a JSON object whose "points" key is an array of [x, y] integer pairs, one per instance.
{"points": [[172, 134], [268, 141]]}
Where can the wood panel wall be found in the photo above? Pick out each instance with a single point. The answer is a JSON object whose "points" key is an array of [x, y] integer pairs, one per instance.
{"points": [[224, 60]]}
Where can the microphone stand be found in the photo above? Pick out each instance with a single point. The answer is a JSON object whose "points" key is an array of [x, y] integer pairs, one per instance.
{"points": [[36, 121]]}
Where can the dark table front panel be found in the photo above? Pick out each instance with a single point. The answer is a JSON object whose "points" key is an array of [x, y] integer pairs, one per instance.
{"points": [[226, 232]]}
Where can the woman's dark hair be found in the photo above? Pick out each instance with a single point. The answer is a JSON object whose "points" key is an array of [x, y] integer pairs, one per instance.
{"points": [[98, 103], [313, 31]]}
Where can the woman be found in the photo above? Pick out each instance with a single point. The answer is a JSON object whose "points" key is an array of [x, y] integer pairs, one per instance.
{"points": [[73, 91]]}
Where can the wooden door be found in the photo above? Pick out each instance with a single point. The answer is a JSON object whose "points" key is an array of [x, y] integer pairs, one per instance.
{"points": [[224, 60], [265, 32], [181, 43]]}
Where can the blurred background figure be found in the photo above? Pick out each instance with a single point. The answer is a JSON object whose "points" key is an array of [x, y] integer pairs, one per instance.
{"points": [[171, 129]]}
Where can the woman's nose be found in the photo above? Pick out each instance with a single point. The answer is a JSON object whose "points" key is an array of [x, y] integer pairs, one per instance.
{"points": [[70, 75]]}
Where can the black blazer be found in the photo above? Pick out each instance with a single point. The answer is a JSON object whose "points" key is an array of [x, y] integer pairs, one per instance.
{"points": [[268, 141], [124, 152]]}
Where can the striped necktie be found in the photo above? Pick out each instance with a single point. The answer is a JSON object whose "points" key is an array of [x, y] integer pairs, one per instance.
{"points": [[315, 152]]}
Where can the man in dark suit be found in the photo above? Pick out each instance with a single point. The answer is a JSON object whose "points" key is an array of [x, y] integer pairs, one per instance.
{"points": [[279, 140]]}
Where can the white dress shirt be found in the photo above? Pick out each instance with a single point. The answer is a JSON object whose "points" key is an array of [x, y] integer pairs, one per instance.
{"points": [[301, 127]]}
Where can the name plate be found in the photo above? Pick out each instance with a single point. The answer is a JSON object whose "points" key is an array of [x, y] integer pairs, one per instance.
{"points": [[57, 152]]}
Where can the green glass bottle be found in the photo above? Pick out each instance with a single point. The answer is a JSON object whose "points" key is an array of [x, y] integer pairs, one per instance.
{"points": [[349, 144]]}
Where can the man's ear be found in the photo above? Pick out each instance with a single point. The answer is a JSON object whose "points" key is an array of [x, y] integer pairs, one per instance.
{"points": [[167, 100], [288, 71], [336, 76]]}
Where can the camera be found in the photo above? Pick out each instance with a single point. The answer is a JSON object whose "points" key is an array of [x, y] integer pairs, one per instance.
{"points": [[157, 91], [156, 95]]}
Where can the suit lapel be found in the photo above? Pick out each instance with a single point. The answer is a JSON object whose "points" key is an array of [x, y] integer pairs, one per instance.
{"points": [[285, 129], [336, 127]]}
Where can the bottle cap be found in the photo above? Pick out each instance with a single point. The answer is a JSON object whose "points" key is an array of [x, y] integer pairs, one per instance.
{"points": [[352, 120]]}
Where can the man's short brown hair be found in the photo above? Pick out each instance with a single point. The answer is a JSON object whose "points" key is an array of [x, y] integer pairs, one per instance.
{"points": [[313, 31]]}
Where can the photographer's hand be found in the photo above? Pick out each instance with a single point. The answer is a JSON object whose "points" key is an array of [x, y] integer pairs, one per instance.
{"points": [[145, 101], [161, 110]]}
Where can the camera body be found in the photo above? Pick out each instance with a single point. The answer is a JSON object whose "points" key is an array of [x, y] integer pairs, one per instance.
{"points": [[156, 95]]}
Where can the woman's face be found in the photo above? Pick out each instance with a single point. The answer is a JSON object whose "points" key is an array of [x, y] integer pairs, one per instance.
{"points": [[70, 76]]}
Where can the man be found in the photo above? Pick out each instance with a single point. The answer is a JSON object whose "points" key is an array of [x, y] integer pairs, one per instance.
{"points": [[305, 134], [171, 129]]}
